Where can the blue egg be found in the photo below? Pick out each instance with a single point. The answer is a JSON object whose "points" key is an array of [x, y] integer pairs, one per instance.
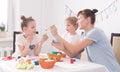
{"points": [[55, 39], [53, 52], [19, 57], [36, 62]]}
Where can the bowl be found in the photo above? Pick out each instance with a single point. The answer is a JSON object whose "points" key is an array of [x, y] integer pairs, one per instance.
{"points": [[47, 64], [42, 59], [56, 57]]}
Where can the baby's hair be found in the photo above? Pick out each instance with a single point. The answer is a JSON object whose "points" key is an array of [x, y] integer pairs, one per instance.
{"points": [[73, 21], [25, 21]]}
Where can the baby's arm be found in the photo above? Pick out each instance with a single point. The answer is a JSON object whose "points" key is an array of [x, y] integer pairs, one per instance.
{"points": [[39, 45]]}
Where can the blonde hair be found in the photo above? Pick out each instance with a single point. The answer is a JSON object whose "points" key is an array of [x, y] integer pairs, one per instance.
{"points": [[73, 21]]}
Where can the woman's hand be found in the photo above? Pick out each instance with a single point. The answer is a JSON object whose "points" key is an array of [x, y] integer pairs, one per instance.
{"points": [[58, 45], [53, 30]]}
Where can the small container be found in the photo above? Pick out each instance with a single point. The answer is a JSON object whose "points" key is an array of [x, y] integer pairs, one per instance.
{"points": [[71, 61], [36, 63], [42, 59], [19, 57], [56, 57], [47, 64], [63, 55]]}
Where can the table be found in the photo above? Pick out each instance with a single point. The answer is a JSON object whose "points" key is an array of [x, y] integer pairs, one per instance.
{"points": [[65, 66]]}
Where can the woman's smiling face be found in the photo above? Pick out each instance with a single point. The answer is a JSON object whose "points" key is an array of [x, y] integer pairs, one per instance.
{"points": [[82, 22]]}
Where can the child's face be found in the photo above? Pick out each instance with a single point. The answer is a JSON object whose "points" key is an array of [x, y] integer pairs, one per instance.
{"points": [[69, 27], [31, 28]]}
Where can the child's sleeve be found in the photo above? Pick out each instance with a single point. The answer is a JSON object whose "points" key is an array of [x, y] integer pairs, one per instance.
{"points": [[20, 41]]}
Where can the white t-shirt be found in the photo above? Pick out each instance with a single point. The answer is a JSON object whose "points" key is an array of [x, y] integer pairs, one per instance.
{"points": [[22, 41], [73, 39]]}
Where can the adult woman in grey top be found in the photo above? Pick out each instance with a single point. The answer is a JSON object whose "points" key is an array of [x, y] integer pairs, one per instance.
{"points": [[95, 42]]}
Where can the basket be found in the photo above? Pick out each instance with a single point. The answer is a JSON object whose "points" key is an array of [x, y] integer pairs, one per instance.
{"points": [[47, 64], [56, 57]]}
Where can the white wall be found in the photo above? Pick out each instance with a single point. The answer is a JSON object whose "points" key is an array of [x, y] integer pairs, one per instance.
{"points": [[27, 8], [56, 13], [48, 12], [110, 24], [10, 18], [42, 12]]}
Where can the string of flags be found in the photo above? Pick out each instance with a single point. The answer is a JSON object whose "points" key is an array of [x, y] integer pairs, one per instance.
{"points": [[69, 11], [100, 16], [107, 12]]}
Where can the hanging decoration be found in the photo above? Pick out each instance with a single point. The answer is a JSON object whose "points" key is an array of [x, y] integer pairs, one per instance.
{"points": [[69, 11], [107, 12], [100, 16]]}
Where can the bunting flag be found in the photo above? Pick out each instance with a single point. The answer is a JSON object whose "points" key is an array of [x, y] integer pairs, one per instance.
{"points": [[100, 16], [107, 12], [69, 11]]}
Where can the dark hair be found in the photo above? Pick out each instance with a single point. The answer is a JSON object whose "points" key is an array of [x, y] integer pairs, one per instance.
{"points": [[88, 13], [25, 21], [73, 21]]}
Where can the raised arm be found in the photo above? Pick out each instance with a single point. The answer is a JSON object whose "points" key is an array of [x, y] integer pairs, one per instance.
{"points": [[39, 45], [71, 48]]}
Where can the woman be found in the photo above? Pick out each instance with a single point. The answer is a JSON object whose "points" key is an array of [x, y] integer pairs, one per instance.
{"points": [[95, 42]]}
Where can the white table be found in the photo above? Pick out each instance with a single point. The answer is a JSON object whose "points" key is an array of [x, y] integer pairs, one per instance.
{"points": [[65, 66]]}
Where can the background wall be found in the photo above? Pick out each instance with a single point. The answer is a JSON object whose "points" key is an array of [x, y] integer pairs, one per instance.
{"points": [[110, 24], [48, 12], [45, 12]]}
